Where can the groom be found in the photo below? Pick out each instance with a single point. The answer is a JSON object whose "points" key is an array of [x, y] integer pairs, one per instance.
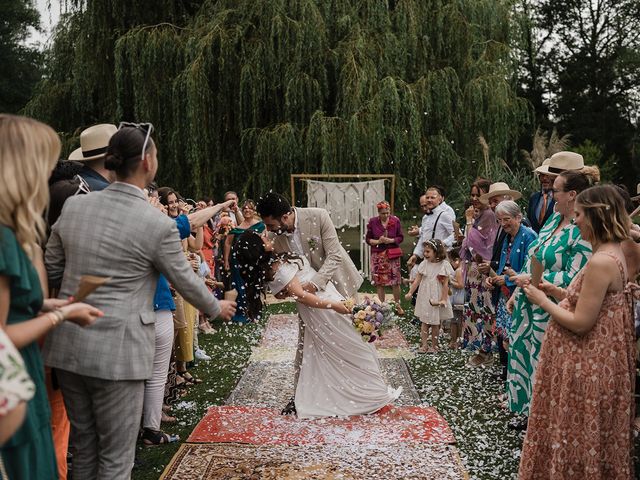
{"points": [[309, 232]]}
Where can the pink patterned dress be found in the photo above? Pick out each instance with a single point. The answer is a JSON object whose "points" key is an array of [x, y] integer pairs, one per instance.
{"points": [[580, 425]]}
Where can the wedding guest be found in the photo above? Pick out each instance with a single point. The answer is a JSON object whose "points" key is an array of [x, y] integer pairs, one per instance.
{"points": [[64, 182], [234, 212], [102, 369], [513, 253], [251, 221], [16, 389], [185, 314], [384, 235], [477, 248], [580, 424], [432, 305], [164, 306], [92, 150], [28, 152], [498, 192], [437, 223], [561, 252], [541, 202]]}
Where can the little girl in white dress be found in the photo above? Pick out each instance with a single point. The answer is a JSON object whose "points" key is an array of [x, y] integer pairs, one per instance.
{"points": [[432, 304]]}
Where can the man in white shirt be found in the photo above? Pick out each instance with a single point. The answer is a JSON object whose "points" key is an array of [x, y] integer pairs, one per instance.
{"points": [[437, 223]]}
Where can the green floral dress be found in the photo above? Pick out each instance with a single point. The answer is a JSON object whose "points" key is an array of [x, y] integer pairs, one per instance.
{"points": [[562, 256], [29, 454]]}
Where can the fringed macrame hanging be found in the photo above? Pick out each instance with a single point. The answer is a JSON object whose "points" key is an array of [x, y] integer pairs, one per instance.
{"points": [[350, 204]]}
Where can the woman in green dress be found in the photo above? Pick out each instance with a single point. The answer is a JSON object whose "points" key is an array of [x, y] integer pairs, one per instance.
{"points": [[251, 222], [28, 152], [562, 253]]}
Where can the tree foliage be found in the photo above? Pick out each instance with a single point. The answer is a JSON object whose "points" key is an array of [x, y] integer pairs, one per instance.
{"points": [[20, 63], [580, 67], [245, 92]]}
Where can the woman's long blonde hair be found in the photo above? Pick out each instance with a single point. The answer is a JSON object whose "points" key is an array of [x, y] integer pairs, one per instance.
{"points": [[28, 152]]}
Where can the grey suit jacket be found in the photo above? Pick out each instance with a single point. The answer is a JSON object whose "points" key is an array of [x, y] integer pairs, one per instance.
{"points": [[116, 233], [323, 250]]}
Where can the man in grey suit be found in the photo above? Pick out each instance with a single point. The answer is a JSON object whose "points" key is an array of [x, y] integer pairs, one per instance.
{"points": [[309, 232], [102, 368]]}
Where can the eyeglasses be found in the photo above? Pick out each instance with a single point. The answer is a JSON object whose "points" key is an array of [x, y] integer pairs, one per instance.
{"points": [[145, 127], [83, 186]]}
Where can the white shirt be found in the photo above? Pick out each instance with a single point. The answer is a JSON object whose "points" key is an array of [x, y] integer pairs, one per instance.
{"points": [[449, 210], [443, 230], [295, 237]]}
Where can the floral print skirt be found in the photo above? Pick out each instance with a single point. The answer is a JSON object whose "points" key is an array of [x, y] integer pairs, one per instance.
{"points": [[384, 272]]}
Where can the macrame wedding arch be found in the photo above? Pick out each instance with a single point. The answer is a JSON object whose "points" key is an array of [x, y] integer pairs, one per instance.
{"points": [[350, 204]]}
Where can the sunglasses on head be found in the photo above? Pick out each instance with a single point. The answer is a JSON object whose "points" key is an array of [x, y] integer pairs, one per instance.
{"points": [[145, 127]]}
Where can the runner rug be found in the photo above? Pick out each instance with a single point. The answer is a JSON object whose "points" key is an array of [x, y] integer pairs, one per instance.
{"points": [[248, 438]]}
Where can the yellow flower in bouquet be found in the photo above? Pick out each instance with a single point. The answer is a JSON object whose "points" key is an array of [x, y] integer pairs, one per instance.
{"points": [[368, 327], [361, 315], [349, 303]]}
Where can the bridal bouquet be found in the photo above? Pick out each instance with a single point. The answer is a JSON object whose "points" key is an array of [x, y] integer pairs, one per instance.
{"points": [[371, 317]]}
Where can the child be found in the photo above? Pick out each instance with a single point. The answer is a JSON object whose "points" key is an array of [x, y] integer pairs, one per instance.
{"points": [[457, 297], [432, 305]]}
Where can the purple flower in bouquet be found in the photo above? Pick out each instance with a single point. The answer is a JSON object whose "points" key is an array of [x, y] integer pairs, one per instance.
{"points": [[371, 318]]}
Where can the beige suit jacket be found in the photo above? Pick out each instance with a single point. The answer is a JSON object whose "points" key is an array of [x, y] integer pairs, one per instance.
{"points": [[322, 248]]}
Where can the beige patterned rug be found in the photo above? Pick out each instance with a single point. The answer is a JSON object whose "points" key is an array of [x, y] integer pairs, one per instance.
{"points": [[227, 461]]}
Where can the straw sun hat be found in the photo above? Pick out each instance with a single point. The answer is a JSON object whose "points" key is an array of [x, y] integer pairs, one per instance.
{"points": [[499, 188], [93, 142], [561, 161]]}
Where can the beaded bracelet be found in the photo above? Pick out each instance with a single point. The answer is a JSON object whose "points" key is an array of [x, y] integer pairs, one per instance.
{"points": [[56, 316]]}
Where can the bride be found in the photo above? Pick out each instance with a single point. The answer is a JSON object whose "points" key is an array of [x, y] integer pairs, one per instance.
{"points": [[340, 374]]}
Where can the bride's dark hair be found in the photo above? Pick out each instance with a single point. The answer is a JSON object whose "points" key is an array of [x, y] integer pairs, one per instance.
{"points": [[255, 264]]}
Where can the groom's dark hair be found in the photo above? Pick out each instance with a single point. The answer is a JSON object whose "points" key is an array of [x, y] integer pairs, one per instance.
{"points": [[273, 205]]}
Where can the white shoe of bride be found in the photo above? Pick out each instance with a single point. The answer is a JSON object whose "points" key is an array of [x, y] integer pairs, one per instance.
{"points": [[395, 392]]}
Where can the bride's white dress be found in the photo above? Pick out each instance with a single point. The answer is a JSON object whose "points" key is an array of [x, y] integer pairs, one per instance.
{"points": [[340, 373]]}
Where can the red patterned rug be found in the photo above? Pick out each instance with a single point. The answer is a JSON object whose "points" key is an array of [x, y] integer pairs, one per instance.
{"points": [[253, 425]]}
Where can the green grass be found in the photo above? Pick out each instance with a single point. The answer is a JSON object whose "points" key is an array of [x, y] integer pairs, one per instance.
{"points": [[466, 397]]}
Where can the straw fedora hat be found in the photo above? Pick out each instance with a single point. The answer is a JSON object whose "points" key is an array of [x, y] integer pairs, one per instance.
{"points": [[93, 142], [561, 161], [499, 188]]}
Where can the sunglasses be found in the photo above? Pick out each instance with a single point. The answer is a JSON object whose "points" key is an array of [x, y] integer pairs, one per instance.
{"points": [[83, 186], [145, 127]]}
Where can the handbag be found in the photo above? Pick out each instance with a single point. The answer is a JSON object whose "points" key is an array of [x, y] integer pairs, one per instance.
{"points": [[393, 253]]}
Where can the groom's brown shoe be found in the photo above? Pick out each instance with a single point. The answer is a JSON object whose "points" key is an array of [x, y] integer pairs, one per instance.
{"points": [[290, 409]]}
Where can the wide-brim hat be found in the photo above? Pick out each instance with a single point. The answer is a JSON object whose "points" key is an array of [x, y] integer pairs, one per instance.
{"points": [[497, 189], [560, 162], [93, 142]]}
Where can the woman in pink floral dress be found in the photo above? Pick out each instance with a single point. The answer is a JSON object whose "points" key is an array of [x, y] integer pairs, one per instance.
{"points": [[580, 425], [384, 235]]}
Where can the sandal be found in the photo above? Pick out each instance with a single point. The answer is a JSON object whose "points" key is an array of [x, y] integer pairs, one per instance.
{"points": [[152, 438], [189, 379], [166, 418], [399, 311]]}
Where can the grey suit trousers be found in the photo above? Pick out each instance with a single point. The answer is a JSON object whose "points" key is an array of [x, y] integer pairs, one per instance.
{"points": [[105, 420]]}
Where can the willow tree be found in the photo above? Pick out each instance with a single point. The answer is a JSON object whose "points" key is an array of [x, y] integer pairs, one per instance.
{"points": [[245, 92]]}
